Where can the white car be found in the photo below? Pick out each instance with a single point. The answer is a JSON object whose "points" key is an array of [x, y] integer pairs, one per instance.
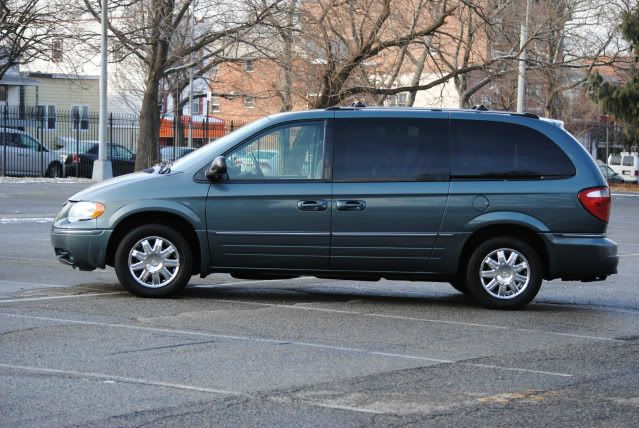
{"points": [[21, 154]]}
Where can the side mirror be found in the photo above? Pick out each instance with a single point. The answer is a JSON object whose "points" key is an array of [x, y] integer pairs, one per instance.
{"points": [[217, 170]]}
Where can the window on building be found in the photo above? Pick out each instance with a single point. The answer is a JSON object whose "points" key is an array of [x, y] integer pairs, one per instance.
{"points": [[249, 101], [80, 116], [56, 50], [215, 103], [385, 149], [4, 93], [196, 106], [47, 116], [214, 72], [397, 100], [499, 150], [249, 65]]}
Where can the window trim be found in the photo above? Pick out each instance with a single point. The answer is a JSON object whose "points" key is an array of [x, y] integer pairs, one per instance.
{"points": [[45, 118]]}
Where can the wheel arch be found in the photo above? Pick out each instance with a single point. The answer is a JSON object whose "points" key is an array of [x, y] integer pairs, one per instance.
{"points": [[142, 217], [524, 232]]}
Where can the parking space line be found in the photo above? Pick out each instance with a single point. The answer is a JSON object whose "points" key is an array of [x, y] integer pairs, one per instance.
{"points": [[278, 342], [71, 296], [427, 320], [123, 379]]}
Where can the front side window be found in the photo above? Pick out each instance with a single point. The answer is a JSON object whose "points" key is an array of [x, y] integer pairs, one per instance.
{"points": [[500, 150], [386, 149], [29, 143], [293, 152]]}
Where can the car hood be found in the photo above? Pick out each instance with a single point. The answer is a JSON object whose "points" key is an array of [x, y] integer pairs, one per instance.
{"points": [[114, 186]]}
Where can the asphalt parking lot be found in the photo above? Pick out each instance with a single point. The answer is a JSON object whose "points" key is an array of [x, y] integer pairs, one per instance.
{"points": [[75, 349]]}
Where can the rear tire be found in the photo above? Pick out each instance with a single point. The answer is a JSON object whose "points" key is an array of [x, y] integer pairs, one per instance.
{"points": [[153, 261], [504, 273], [54, 170]]}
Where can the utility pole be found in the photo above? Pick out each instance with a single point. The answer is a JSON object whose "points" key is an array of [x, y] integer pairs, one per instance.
{"points": [[102, 166], [191, 75], [521, 78]]}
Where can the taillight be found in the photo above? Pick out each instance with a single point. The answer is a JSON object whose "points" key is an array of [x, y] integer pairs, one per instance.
{"points": [[596, 201], [75, 158]]}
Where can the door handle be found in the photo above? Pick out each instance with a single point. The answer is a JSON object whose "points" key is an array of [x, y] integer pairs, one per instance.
{"points": [[351, 205], [319, 205]]}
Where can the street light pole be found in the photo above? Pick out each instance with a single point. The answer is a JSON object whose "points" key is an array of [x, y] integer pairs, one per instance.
{"points": [[191, 75], [521, 78], [102, 166]]}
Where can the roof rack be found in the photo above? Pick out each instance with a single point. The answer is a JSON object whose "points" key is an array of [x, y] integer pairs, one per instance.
{"points": [[480, 108]]}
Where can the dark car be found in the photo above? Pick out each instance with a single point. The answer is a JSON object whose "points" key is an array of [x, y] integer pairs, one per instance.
{"points": [[492, 202], [80, 164]]}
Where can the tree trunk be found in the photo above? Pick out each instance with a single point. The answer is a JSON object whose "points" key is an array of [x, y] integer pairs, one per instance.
{"points": [[148, 152]]}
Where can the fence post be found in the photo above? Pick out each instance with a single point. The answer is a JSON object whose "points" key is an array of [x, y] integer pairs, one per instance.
{"points": [[77, 140], [110, 135], [4, 141]]}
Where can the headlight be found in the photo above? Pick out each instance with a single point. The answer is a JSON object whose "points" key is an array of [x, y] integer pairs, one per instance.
{"points": [[85, 211]]}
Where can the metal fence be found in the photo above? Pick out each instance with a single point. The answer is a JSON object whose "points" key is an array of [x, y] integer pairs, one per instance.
{"points": [[45, 141]]}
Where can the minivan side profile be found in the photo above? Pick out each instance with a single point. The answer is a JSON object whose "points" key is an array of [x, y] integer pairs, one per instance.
{"points": [[492, 202]]}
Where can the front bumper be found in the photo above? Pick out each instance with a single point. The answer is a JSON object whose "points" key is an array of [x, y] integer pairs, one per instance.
{"points": [[82, 248], [581, 257]]}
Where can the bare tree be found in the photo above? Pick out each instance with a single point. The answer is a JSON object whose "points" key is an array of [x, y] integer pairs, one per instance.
{"points": [[155, 31], [27, 30]]}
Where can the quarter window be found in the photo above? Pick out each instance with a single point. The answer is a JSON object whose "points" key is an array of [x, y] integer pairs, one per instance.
{"points": [[378, 149], [504, 150], [290, 152]]}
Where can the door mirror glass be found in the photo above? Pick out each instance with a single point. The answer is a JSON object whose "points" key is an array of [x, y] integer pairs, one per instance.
{"points": [[217, 170]]}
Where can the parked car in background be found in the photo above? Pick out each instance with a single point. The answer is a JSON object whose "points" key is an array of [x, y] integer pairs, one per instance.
{"points": [[171, 153], [80, 164], [626, 164], [22, 155], [611, 176], [492, 202], [266, 159]]}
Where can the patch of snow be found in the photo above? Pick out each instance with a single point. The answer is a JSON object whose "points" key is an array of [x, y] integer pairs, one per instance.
{"points": [[17, 220], [29, 180]]}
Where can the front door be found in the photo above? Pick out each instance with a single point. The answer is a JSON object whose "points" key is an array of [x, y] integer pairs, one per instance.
{"points": [[273, 210], [390, 190]]}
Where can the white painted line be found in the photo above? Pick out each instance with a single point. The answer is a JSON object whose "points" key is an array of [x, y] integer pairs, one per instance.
{"points": [[426, 320], [634, 195], [18, 220], [629, 255], [72, 296], [269, 341], [515, 369], [39, 284], [116, 378]]}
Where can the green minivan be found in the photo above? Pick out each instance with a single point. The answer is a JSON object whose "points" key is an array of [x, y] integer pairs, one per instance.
{"points": [[491, 202]]}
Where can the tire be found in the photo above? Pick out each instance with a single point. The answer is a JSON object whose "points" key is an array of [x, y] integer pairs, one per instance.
{"points": [[500, 287], [54, 170], [459, 285], [147, 272]]}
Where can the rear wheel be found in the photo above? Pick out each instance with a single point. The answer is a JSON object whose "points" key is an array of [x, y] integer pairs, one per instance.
{"points": [[153, 261], [504, 273], [54, 170]]}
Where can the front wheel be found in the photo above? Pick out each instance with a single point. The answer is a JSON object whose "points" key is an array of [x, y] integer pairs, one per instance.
{"points": [[504, 273], [153, 261]]}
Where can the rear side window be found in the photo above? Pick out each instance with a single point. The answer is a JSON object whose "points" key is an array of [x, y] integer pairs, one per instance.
{"points": [[504, 150], [628, 161], [615, 160], [381, 149]]}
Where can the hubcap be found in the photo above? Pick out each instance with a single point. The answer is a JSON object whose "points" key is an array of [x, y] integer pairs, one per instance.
{"points": [[504, 273], [154, 262]]}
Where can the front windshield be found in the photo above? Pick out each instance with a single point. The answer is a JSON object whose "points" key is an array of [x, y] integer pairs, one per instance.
{"points": [[199, 157]]}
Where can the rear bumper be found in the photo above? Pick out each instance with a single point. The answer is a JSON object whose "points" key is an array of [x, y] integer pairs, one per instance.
{"points": [[81, 248], [580, 257]]}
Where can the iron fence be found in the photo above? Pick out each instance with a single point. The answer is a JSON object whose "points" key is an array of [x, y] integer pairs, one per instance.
{"points": [[45, 141]]}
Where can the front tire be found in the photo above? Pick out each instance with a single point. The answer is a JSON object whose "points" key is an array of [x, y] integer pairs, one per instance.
{"points": [[153, 261], [504, 273]]}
